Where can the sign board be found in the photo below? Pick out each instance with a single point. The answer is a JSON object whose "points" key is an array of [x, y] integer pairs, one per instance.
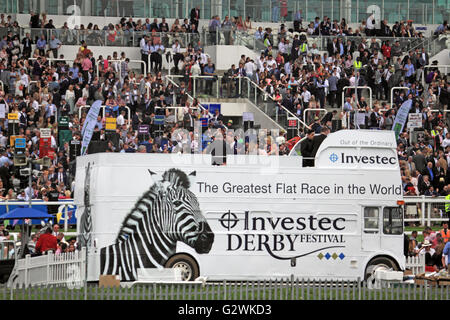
{"points": [[143, 129], [111, 124], [13, 116], [45, 147], [248, 116], [74, 149], [213, 107], [292, 122], [415, 120], [204, 122], [63, 123], [20, 143], [12, 140], [46, 133], [159, 120]]}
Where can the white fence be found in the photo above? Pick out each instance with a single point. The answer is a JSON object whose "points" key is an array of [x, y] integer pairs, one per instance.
{"points": [[65, 268], [425, 210], [416, 264]]}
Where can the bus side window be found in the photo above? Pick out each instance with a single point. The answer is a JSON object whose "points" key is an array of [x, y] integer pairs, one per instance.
{"points": [[371, 215], [393, 220]]}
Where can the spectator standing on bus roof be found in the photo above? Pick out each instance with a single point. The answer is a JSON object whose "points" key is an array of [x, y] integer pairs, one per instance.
{"points": [[306, 149]]}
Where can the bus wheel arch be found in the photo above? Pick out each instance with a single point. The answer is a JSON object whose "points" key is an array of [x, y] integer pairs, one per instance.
{"points": [[377, 262], [187, 263]]}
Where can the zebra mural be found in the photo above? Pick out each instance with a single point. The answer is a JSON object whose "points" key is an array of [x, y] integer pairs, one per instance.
{"points": [[84, 238], [168, 212]]}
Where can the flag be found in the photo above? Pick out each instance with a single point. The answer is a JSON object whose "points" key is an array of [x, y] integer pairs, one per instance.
{"points": [[58, 216], [15, 222], [401, 117], [89, 125]]}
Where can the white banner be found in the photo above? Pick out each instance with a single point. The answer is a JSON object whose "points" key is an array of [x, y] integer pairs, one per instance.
{"points": [[89, 125], [400, 118]]}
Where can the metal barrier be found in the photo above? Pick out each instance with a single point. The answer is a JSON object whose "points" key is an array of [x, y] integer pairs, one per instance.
{"points": [[392, 93], [72, 60], [247, 93], [314, 109], [425, 210], [347, 114], [176, 110], [133, 61], [8, 250], [168, 79]]}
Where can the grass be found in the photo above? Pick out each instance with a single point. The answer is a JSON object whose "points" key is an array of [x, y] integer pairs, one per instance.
{"points": [[233, 291]]}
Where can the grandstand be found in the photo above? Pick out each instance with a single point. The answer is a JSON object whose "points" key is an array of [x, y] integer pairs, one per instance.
{"points": [[291, 67]]}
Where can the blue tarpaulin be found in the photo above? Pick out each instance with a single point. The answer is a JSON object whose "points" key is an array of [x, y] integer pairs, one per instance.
{"points": [[41, 208]]}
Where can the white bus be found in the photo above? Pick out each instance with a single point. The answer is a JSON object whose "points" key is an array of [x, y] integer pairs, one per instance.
{"points": [[257, 217]]}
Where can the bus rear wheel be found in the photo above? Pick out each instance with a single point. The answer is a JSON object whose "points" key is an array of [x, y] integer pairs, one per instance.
{"points": [[187, 265], [380, 263]]}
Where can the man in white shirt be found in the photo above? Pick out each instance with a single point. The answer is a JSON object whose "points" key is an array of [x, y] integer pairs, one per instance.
{"points": [[121, 119], [144, 51], [370, 24], [306, 96], [177, 55], [314, 49], [250, 69]]}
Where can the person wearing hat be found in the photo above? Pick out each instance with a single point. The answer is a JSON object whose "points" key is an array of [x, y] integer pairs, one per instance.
{"points": [[427, 251], [230, 124]]}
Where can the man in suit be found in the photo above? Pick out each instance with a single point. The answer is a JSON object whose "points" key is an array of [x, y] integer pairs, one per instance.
{"points": [[332, 47], [419, 161], [431, 172], [410, 165], [188, 120], [318, 139], [195, 16], [60, 176]]}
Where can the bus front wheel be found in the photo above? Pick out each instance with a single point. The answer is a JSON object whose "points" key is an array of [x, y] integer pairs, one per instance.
{"points": [[379, 263], [187, 265]]}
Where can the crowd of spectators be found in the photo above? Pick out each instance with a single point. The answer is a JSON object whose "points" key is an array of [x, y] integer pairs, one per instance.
{"points": [[296, 75], [49, 238], [435, 247]]}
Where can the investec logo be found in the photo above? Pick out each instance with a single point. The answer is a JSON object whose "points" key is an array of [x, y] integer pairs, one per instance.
{"points": [[349, 158]]}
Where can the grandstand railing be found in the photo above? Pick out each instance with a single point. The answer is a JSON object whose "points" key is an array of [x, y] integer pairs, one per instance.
{"points": [[168, 78], [65, 60], [222, 36], [392, 93], [243, 88]]}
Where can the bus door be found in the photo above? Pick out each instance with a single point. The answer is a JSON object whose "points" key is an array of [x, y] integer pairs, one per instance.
{"points": [[370, 233]]}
